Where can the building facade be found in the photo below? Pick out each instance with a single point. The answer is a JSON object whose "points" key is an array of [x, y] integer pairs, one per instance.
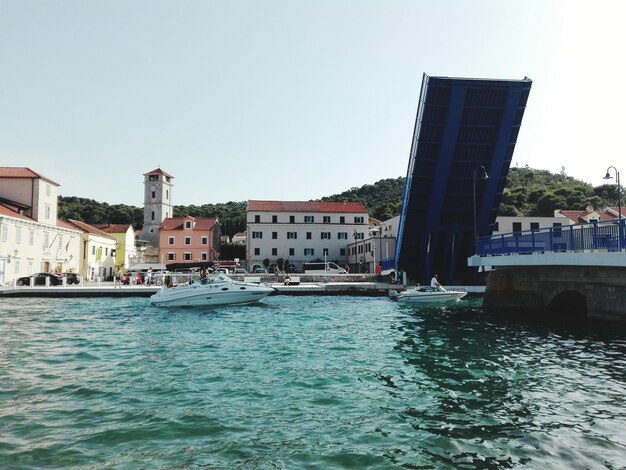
{"points": [[157, 203], [97, 251], [189, 240], [298, 232], [32, 240], [509, 224], [126, 249], [375, 254]]}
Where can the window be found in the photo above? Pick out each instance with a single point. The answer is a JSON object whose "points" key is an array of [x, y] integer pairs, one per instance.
{"points": [[292, 219], [48, 190], [93, 249], [274, 251], [342, 236], [359, 236], [257, 235], [31, 236], [309, 252], [325, 251], [171, 240], [18, 235], [60, 246], [292, 235], [326, 219], [204, 240], [153, 194], [274, 235], [517, 226], [171, 256], [534, 225], [308, 219], [309, 235], [257, 218], [4, 232], [292, 251], [342, 219], [152, 215], [46, 240], [106, 251], [17, 265], [204, 256], [187, 256], [187, 223], [358, 220], [167, 194], [257, 251], [30, 267], [274, 219], [342, 252], [187, 240], [360, 249], [325, 235], [47, 210]]}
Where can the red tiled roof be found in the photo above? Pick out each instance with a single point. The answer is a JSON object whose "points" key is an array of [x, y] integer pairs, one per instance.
{"points": [[6, 211], [22, 172], [67, 225], [158, 171], [306, 206], [113, 228], [239, 234], [577, 216], [84, 227], [177, 223]]}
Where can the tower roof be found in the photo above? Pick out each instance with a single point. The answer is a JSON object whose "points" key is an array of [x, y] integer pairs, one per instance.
{"points": [[158, 171]]}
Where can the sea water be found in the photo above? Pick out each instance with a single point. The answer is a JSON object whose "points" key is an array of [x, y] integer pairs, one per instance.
{"points": [[305, 382]]}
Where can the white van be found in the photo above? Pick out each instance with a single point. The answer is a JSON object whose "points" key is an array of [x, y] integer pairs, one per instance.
{"points": [[323, 268]]}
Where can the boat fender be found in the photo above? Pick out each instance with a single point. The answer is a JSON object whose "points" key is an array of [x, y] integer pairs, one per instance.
{"points": [[393, 294]]}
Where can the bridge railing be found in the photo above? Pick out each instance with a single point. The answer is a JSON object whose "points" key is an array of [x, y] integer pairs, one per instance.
{"points": [[596, 236]]}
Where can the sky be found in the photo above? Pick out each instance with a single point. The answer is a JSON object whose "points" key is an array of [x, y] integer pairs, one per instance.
{"points": [[290, 99]]}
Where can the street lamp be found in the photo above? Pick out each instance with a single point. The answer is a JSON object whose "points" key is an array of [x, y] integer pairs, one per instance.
{"points": [[619, 204], [619, 189], [483, 176]]}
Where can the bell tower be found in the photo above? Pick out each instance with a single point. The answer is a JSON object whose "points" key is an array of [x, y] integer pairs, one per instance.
{"points": [[157, 203]]}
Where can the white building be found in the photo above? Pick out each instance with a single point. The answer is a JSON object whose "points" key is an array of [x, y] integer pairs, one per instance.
{"points": [[31, 238], [378, 249], [301, 232], [506, 224]]}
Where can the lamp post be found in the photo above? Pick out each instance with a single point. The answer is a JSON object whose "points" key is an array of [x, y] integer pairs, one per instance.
{"points": [[483, 176], [619, 189], [619, 202]]}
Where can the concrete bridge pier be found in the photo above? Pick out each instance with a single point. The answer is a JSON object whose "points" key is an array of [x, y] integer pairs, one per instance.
{"points": [[577, 291]]}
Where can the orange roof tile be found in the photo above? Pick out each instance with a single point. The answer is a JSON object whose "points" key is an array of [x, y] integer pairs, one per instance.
{"points": [[158, 171], [85, 227], [177, 223], [306, 206], [22, 172], [6, 211], [113, 228]]}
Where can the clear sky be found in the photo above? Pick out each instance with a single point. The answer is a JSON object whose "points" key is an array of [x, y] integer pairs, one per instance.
{"points": [[290, 99]]}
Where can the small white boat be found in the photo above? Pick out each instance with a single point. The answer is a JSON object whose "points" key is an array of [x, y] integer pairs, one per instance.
{"points": [[216, 289], [427, 295]]}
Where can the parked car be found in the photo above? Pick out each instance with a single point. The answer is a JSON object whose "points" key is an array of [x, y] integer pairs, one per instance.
{"points": [[132, 277], [39, 279], [260, 271], [71, 278]]}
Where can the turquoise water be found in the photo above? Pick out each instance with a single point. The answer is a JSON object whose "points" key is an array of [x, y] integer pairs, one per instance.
{"points": [[304, 382]]}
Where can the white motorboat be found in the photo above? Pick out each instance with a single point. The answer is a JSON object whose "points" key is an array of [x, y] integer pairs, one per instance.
{"points": [[427, 295], [216, 289]]}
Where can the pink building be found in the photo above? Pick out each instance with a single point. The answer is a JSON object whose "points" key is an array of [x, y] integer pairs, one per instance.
{"points": [[189, 239]]}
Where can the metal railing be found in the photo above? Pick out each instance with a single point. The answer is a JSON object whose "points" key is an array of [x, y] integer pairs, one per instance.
{"points": [[595, 236]]}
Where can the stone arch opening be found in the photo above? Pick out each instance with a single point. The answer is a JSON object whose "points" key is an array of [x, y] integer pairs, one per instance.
{"points": [[568, 303]]}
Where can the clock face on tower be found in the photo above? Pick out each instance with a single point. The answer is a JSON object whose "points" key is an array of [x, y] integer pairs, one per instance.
{"points": [[153, 188]]}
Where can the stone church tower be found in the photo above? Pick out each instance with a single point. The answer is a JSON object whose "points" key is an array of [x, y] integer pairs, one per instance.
{"points": [[157, 203]]}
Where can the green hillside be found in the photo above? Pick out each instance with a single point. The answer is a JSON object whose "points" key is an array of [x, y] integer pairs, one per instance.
{"points": [[528, 192]]}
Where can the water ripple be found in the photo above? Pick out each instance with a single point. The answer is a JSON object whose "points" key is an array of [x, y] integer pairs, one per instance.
{"points": [[305, 382]]}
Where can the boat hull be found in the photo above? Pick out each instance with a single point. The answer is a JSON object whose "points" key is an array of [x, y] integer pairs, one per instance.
{"points": [[200, 295], [430, 297]]}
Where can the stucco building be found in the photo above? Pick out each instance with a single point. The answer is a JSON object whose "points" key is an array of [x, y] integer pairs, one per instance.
{"points": [[189, 240], [303, 231]]}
